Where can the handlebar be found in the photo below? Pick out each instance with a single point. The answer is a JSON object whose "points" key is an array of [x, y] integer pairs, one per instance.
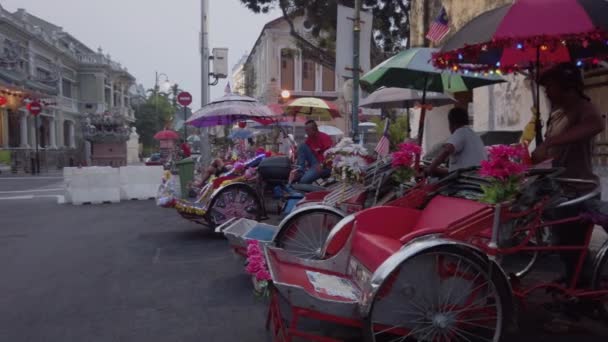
{"points": [[595, 192]]}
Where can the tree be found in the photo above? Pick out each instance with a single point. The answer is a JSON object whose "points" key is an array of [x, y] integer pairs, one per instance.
{"points": [[154, 115], [390, 32]]}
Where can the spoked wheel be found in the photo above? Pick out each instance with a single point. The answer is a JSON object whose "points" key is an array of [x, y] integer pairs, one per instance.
{"points": [[600, 283], [521, 263], [306, 232], [442, 294], [234, 201]]}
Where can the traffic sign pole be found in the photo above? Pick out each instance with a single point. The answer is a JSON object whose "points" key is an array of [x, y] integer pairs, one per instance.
{"points": [[185, 99]]}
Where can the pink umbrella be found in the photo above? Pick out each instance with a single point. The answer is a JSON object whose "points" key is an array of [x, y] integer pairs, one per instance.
{"points": [[166, 135]]}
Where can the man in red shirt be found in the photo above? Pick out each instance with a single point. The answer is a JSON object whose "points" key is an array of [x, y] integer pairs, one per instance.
{"points": [[310, 154]]}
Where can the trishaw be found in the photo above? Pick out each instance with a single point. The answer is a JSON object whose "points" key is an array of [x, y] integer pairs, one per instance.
{"points": [[432, 267]]}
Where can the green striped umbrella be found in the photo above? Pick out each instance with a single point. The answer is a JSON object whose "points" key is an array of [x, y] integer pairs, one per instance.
{"points": [[413, 69]]}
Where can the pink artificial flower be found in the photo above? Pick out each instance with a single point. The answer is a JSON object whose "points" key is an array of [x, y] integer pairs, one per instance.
{"points": [[263, 274], [254, 267]]}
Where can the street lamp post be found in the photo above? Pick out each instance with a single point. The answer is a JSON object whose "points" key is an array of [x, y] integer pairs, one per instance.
{"points": [[156, 90], [356, 35]]}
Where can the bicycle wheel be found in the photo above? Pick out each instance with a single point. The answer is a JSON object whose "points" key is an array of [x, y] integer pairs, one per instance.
{"points": [[305, 233], [441, 294]]}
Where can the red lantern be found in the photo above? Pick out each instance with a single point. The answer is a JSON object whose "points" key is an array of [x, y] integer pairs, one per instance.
{"points": [[242, 124], [3, 100]]}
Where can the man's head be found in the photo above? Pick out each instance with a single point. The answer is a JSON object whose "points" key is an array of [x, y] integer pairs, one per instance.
{"points": [[311, 128], [457, 117], [563, 84]]}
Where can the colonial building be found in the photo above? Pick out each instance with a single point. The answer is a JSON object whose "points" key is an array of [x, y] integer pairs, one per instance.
{"points": [[41, 62]]}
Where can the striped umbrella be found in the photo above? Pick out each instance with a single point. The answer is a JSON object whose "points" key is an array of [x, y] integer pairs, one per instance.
{"points": [[313, 108], [412, 69]]}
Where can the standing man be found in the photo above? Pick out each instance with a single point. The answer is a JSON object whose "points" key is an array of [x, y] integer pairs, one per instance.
{"points": [[310, 157], [464, 147], [570, 147]]}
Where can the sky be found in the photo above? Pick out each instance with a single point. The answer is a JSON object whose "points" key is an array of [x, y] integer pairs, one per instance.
{"points": [[152, 35]]}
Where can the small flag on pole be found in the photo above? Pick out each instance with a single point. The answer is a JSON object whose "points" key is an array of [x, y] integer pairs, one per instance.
{"points": [[439, 28], [227, 90], [383, 146]]}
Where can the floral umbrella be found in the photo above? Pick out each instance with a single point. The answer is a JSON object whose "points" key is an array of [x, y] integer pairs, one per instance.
{"points": [[529, 34], [229, 109], [411, 69], [166, 135], [313, 107]]}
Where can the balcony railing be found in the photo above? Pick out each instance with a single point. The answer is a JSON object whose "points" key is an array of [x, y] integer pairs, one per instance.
{"points": [[98, 59], [68, 104]]}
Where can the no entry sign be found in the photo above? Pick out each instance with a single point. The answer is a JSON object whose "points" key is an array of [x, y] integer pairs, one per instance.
{"points": [[34, 108], [184, 98]]}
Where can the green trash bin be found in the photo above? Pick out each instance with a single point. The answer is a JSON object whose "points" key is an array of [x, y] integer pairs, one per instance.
{"points": [[185, 170]]}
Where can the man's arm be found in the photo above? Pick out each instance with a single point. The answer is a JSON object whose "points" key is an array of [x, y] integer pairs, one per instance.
{"points": [[589, 126], [434, 169]]}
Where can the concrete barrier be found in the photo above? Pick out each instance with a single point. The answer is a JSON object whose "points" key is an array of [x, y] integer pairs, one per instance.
{"points": [[140, 182], [93, 185]]}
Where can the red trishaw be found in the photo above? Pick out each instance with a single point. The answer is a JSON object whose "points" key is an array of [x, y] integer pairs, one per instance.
{"points": [[434, 266]]}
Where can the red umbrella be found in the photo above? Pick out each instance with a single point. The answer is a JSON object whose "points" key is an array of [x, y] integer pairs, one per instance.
{"points": [[166, 135], [527, 35]]}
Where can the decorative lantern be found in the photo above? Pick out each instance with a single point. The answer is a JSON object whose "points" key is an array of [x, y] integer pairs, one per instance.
{"points": [[3, 100], [242, 124]]}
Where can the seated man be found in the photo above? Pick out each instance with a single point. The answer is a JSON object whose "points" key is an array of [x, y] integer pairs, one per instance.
{"points": [[310, 156], [216, 168], [464, 147]]}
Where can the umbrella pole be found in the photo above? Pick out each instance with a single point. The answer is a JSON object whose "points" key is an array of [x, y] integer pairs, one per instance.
{"points": [[422, 113], [538, 126]]}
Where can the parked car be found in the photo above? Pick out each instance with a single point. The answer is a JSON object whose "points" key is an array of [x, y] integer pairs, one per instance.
{"points": [[154, 159]]}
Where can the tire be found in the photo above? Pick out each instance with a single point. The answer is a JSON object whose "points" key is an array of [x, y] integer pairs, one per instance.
{"points": [[305, 233], [444, 293], [237, 200], [600, 283]]}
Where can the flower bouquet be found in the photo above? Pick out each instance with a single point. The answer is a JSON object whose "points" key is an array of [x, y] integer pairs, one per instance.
{"points": [[505, 169], [348, 161], [403, 161], [256, 266]]}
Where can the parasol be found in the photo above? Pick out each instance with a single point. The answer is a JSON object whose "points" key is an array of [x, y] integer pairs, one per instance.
{"points": [[229, 109], [403, 98], [411, 69], [331, 130], [313, 108], [166, 135], [529, 35]]}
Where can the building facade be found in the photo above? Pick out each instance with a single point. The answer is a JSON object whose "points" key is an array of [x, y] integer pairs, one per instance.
{"points": [[278, 64], [41, 62]]}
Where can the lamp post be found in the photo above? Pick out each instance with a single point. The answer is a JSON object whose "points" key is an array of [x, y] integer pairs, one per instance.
{"points": [[356, 35], [156, 89]]}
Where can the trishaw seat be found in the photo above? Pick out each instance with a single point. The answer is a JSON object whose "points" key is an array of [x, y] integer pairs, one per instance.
{"points": [[441, 211], [371, 250], [285, 272]]}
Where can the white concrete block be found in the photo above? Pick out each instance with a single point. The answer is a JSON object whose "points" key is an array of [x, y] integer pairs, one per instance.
{"points": [[92, 185], [139, 182]]}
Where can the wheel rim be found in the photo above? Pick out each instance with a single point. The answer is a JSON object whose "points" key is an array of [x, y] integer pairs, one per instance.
{"points": [[601, 281], [438, 296], [305, 235], [233, 202]]}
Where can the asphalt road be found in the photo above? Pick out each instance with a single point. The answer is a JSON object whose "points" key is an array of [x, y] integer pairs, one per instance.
{"points": [[133, 272]]}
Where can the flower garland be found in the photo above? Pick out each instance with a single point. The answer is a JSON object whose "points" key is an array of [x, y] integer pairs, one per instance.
{"points": [[348, 161], [468, 58], [256, 266], [403, 161], [505, 168]]}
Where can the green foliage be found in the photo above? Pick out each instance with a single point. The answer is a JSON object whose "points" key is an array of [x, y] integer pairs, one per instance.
{"points": [[391, 26], [500, 191], [398, 130], [152, 116], [402, 174]]}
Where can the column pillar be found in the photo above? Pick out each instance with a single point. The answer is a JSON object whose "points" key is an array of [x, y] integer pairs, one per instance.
{"points": [[72, 135], [4, 126], [122, 95], [23, 136], [52, 133]]}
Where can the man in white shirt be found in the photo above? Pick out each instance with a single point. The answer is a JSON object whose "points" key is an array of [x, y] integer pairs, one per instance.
{"points": [[464, 147]]}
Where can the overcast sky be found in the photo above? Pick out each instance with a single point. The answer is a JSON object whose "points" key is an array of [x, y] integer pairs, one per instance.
{"points": [[153, 35]]}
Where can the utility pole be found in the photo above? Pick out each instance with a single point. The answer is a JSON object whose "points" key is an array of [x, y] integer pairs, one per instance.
{"points": [[356, 67], [204, 39]]}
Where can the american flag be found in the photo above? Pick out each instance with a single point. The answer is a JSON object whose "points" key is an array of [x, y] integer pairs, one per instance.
{"points": [[227, 90], [384, 144], [440, 27]]}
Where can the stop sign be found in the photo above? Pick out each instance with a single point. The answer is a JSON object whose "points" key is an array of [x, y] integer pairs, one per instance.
{"points": [[184, 98], [34, 108]]}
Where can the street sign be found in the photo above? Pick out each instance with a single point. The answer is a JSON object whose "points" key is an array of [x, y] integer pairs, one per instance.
{"points": [[34, 108], [184, 98]]}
